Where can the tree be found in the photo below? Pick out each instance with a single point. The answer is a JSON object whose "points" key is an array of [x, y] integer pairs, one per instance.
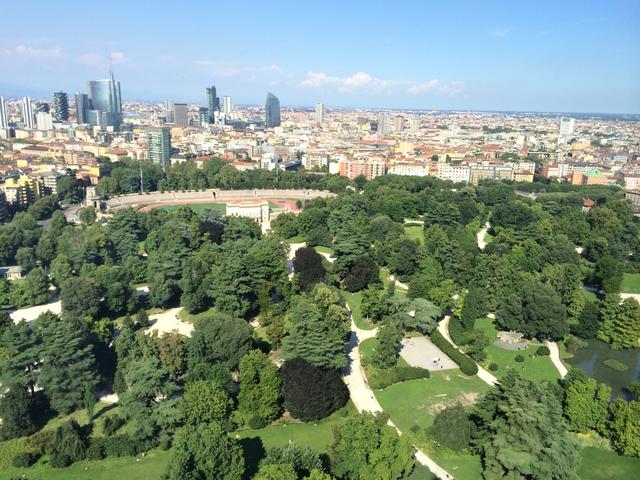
{"points": [[625, 427], [205, 402], [312, 337], [68, 362], [425, 315], [372, 304], [586, 405], [285, 225], [69, 445], [362, 272], [80, 297], [22, 355], [608, 275], [89, 400], [520, 432], [310, 392], [273, 471], [26, 258], [386, 352], [302, 460], [260, 386], [172, 352], [307, 263], [589, 321], [16, 413], [218, 339], [452, 428], [474, 306], [205, 452], [366, 448], [620, 322], [87, 216], [36, 286]]}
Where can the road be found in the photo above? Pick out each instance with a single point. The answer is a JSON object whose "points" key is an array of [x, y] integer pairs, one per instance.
{"points": [[481, 236]]}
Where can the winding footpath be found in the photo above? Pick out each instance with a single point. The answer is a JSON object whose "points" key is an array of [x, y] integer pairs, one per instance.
{"points": [[481, 236], [364, 399]]}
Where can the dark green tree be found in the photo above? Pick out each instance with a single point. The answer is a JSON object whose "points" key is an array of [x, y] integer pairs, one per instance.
{"points": [[452, 428], [386, 352]]}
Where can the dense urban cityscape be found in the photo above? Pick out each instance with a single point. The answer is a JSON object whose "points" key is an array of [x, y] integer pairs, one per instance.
{"points": [[275, 248]]}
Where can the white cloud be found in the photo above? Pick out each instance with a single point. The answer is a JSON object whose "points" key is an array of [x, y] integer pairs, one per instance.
{"points": [[117, 57], [99, 60], [357, 81], [24, 51], [420, 88], [452, 89], [499, 32]]}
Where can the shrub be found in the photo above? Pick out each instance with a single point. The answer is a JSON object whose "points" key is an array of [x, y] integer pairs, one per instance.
{"points": [[9, 449], [121, 446], [111, 424], [379, 379], [467, 365], [256, 422], [519, 358], [23, 460], [41, 442], [493, 367], [543, 350], [96, 450], [69, 445], [452, 428]]}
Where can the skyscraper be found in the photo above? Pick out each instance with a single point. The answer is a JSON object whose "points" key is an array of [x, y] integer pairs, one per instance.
{"points": [[4, 119], [319, 112], [82, 108], [27, 112], [159, 146], [180, 114], [272, 111], [60, 107], [226, 105], [44, 121], [211, 102], [168, 111], [42, 107], [566, 129], [105, 100]]}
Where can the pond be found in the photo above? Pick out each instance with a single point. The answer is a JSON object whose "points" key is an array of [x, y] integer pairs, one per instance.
{"points": [[590, 360]]}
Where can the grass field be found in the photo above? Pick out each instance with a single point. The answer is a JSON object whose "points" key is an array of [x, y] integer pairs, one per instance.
{"points": [[599, 464], [413, 405], [354, 300], [536, 368], [415, 232], [377, 377], [631, 283], [193, 317], [321, 249], [200, 207]]}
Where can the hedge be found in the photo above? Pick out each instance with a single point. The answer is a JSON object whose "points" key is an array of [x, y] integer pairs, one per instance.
{"points": [[467, 365]]}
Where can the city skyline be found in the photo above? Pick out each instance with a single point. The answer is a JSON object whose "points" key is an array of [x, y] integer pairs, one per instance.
{"points": [[430, 57]]}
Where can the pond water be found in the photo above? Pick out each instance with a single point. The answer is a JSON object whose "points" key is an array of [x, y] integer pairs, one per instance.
{"points": [[589, 359]]}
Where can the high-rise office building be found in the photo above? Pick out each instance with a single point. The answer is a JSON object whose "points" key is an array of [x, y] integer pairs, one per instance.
{"points": [[272, 111], [226, 105], [319, 112], [168, 111], [4, 119], [159, 146], [82, 108], [105, 102], [203, 116], [42, 107], [212, 100], [44, 121], [60, 107], [384, 123], [180, 114], [566, 129], [27, 112]]}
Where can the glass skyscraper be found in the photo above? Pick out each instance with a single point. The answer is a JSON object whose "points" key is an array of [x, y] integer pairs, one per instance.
{"points": [[272, 111], [211, 102], [159, 146], [104, 99], [82, 108]]}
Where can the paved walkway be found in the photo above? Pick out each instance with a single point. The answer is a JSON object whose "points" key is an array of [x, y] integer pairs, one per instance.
{"points": [[421, 352], [481, 236], [364, 399], [29, 314], [554, 354], [169, 321], [443, 327]]}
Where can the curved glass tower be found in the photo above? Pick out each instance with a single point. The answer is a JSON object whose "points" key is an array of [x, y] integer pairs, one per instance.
{"points": [[272, 111], [104, 98]]}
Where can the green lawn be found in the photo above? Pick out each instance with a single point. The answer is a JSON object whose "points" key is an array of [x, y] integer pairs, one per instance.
{"points": [[354, 300], [415, 232], [384, 278], [534, 367], [321, 249], [193, 317], [149, 467], [599, 464], [631, 283], [412, 406], [200, 207]]}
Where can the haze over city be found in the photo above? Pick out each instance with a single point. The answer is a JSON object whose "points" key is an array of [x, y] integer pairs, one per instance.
{"points": [[530, 56]]}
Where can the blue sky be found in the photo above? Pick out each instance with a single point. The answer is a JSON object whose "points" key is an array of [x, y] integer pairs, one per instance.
{"points": [[581, 56]]}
